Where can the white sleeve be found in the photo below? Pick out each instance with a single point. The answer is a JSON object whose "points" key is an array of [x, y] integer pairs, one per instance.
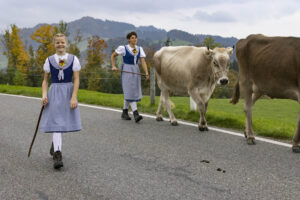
{"points": [[76, 64], [142, 54], [120, 50], [46, 66]]}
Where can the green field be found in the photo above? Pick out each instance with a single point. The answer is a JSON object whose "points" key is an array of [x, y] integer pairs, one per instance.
{"points": [[272, 118]]}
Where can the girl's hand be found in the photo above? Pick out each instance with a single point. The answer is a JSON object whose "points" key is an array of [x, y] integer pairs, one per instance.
{"points": [[147, 77], [44, 101], [73, 103]]}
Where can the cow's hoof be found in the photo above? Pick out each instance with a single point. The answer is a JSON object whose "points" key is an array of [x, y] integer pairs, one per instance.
{"points": [[174, 123], [203, 128], [159, 119], [251, 141], [296, 149]]}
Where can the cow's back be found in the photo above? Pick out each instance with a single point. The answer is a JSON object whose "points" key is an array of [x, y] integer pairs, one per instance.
{"points": [[167, 57], [272, 64], [177, 66]]}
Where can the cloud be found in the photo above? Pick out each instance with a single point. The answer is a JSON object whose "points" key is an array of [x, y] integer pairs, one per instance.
{"points": [[219, 17]]}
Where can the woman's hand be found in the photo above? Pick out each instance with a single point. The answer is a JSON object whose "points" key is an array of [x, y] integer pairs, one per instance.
{"points": [[44, 100], [73, 103], [114, 68], [147, 77]]}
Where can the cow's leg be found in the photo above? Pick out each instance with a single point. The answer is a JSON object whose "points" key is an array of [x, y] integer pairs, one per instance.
{"points": [[159, 116], [296, 138], [194, 93], [166, 100], [255, 97], [248, 104]]}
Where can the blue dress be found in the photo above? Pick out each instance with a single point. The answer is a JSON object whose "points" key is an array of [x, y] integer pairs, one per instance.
{"points": [[131, 83], [57, 115]]}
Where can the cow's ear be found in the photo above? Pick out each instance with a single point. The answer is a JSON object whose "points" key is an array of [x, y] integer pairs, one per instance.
{"points": [[229, 50], [209, 53]]}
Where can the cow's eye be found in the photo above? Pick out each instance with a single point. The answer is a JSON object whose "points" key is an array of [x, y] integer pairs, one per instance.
{"points": [[216, 64]]}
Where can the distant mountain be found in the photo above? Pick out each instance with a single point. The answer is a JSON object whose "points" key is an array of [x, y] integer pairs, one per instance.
{"points": [[114, 33]]}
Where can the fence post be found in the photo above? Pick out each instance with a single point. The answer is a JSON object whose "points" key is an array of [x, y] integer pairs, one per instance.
{"points": [[193, 105], [152, 86]]}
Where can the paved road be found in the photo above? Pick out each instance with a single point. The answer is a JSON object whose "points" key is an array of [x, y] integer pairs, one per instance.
{"points": [[113, 159]]}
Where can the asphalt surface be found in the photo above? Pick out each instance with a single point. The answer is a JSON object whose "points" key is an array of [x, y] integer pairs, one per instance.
{"points": [[112, 159]]}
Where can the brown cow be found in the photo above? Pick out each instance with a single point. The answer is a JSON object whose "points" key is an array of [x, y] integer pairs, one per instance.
{"points": [[192, 70], [268, 66]]}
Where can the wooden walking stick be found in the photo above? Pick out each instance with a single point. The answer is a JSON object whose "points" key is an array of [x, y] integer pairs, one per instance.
{"points": [[36, 129], [131, 72]]}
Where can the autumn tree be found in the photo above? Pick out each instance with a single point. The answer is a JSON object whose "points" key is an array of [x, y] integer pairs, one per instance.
{"points": [[149, 51], [95, 58], [18, 58], [44, 36], [111, 81]]}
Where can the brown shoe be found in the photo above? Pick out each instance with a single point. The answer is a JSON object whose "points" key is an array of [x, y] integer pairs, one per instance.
{"points": [[57, 159]]}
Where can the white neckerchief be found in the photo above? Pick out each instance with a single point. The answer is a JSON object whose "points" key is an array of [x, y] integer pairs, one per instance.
{"points": [[137, 52], [61, 75]]}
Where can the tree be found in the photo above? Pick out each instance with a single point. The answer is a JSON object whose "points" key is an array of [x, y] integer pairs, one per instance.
{"points": [[35, 73], [44, 35], [149, 51], [73, 46], [62, 28], [168, 42], [18, 58], [210, 43], [95, 58], [234, 65]]}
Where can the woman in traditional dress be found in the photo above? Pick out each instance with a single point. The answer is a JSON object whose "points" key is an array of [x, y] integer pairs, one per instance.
{"points": [[61, 113], [131, 80]]}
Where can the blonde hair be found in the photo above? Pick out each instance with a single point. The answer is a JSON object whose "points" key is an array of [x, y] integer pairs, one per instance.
{"points": [[57, 35]]}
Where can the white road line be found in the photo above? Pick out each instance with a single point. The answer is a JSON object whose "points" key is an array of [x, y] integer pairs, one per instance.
{"points": [[180, 122]]}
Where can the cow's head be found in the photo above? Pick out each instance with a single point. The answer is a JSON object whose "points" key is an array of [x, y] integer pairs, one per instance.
{"points": [[220, 61]]}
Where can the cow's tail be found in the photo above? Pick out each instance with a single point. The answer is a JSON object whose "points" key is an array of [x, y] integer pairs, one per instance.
{"points": [[156, 62], [236, 93]]}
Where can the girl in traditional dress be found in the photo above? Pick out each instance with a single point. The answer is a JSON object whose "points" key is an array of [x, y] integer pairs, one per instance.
{"points": [[131, 82], [61, 113]]}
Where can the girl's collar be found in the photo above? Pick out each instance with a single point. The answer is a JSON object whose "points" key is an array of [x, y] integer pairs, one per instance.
{"points": [[64, 55]]}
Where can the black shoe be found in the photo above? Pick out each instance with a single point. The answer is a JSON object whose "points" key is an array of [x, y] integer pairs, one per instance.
{"points": [[125, 115], [137, 117], [57, 159], [52, 149]]}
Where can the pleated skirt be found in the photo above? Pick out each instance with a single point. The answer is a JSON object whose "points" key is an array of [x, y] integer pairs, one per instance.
{"points": [[57, 115], [131, 83]]}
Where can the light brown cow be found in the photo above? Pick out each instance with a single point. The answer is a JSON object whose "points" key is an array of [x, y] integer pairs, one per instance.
{"points": [[192, 70], [268, 66]]}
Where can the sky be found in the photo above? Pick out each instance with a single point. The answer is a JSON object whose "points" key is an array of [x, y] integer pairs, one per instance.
{"points": [[227, 18]]}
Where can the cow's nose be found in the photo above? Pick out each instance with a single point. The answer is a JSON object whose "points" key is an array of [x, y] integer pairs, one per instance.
{"points": [[224, 81]]}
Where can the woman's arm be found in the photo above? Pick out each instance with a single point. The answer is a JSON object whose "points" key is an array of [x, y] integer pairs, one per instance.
{"points": [[144, 65], [112, 59], [45, 89], [73, 101]]}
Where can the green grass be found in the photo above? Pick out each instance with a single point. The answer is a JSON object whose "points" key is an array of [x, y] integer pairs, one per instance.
{"points": [[271, 118]]}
